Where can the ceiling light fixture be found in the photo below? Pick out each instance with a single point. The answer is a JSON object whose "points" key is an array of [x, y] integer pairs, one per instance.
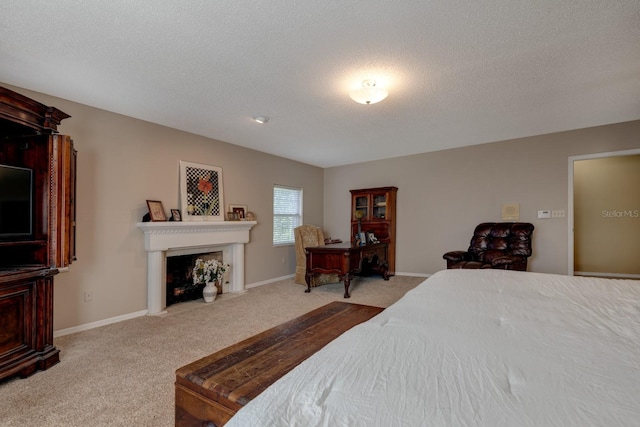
{"points": [[261, 119], [369, 93]]}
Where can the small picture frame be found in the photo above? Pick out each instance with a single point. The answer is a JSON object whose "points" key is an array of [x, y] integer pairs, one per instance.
{"points": [[232, 216], [156, 210], [239, 210], [175, 215]]}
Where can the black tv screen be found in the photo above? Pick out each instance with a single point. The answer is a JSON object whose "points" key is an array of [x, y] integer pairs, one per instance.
{"points": [[16, 186]]}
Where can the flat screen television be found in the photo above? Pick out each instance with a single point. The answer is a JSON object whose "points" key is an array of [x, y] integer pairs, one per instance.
{"points": [[16, 202]]}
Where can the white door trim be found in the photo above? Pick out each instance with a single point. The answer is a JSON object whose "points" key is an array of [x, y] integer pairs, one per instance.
{"points": [[573, 159]]}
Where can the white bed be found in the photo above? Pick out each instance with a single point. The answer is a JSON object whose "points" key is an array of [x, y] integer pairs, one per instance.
{"points": [[475, 348]]}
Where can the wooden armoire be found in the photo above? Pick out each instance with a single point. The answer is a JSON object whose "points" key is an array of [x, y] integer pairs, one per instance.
{"points": [[37, 229]]}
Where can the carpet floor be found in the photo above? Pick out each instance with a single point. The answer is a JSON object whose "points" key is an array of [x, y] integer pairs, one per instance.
{"points": [[123, 374]]}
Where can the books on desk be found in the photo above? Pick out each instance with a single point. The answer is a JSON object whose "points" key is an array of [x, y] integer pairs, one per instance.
{"points": [[330, 241]]}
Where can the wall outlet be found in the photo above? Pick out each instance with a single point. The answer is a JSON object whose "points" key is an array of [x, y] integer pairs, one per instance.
{"points": [[557, 214], [88, 296]]}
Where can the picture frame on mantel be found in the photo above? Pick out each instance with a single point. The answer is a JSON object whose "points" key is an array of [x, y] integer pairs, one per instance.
{"points": [[175, 215], [156, 210], [201, 192], [239, 210]]}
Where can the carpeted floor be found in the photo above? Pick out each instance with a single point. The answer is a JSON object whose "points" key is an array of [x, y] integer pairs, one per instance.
{"points": [[123, 374]]}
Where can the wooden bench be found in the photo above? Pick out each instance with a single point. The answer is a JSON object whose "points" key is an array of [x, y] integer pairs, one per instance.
{"points": [[211, 390]]}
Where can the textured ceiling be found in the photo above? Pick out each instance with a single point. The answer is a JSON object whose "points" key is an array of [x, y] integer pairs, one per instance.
{"points": [[458, 72]]}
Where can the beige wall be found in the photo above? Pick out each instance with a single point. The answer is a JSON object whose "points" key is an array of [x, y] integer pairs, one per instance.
{"points": [[606, 195], [121, 163], [443, 195]]}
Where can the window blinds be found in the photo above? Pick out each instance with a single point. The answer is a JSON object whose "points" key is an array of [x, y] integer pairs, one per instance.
{"points": [[287, 213]]}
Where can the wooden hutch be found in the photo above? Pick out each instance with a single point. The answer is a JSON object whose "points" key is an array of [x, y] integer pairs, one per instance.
{"points": [[37, 229], [375, 209]]}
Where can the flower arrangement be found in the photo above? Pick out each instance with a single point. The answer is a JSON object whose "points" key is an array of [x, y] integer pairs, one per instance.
{"points": [[208, 271]]}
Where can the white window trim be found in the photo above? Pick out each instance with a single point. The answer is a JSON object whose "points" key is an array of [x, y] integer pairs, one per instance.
{"points": [[300, 214]]}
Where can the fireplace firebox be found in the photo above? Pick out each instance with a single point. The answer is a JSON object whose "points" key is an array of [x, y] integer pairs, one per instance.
{"points": [[180, 286]]}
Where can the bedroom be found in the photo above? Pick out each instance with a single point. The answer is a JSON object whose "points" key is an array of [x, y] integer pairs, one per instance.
{"points": [[123, 161], [109, 205]]}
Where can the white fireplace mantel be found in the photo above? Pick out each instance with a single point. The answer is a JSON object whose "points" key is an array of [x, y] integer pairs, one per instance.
{"points": [[162, 237]]}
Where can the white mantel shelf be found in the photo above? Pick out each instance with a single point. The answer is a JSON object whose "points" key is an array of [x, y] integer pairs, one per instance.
{"points": [[163, 237]]}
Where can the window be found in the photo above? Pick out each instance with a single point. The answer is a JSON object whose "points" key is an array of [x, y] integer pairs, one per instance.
{"points": [[287, 213]]}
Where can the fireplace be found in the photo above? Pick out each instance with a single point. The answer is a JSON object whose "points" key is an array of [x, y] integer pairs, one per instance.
{"points": [[180, 286], [163, 239]]}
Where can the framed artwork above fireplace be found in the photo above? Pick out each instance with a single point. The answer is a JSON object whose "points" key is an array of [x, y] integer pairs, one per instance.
{"points": [[201, 192]]}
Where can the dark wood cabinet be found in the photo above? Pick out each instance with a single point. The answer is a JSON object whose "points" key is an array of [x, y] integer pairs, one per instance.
{"points": [[63, 205], [373, 210], [26, 316], [43, 202], [29, 140]]}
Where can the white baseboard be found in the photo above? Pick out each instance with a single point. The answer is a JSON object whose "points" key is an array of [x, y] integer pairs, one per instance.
{"points": [[266, 282], [290, 276], [99, 323], [609, 275], [398, 273]]}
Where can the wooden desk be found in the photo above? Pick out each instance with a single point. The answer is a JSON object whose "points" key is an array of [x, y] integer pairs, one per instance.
{"points": [[346, 261], [211, 390]]}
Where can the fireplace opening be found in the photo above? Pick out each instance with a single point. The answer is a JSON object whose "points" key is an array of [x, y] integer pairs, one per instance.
{"points": [[180, 286]]}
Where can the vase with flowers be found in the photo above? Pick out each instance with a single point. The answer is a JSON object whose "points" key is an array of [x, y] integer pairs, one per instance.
{"points": [[209, 272]]}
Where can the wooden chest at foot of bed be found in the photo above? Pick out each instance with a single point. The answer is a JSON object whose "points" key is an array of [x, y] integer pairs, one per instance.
{"points": [[213, 388]]}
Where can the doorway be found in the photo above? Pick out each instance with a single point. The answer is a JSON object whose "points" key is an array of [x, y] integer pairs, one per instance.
{"points": [[604, 214]]}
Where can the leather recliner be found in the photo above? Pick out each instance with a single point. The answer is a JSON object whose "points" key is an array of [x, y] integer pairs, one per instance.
{"points": [[499, 245]]}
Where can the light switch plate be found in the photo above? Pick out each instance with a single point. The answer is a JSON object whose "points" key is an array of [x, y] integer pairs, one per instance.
{"points": [[544, 214]]}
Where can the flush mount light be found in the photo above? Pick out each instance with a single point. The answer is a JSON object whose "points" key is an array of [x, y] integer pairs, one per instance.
{"points": [[369, 93], [261, 119]]}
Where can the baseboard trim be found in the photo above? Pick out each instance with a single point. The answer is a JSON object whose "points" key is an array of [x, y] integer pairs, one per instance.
{"points": [[291, 276], [607, 275], [266, 282], [98, 323], [398, 273]]}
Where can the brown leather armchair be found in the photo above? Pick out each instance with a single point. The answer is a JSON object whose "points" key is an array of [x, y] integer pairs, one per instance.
{"points": [[500, 245]]}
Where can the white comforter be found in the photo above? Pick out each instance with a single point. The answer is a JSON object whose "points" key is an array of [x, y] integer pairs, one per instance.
{"points": [[475, 348]]}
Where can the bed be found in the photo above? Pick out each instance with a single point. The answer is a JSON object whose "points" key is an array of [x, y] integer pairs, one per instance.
{"points": [[474, 348]]}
